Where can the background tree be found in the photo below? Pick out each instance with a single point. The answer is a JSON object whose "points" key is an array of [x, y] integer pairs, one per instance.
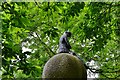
{"points": [[37, 26]]}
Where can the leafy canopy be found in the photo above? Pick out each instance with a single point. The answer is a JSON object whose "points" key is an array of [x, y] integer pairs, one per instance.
{"points": [[31, 32]]}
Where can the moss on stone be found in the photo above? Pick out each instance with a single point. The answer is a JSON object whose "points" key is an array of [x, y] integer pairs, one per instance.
{"points": [[64, 66]]}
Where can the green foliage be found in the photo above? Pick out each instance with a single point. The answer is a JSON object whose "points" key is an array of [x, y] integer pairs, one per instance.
{"points": [[38, 26]]}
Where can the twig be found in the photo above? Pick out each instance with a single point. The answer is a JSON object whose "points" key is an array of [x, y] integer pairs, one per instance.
{"points": [[45, 44], [36, 3]]}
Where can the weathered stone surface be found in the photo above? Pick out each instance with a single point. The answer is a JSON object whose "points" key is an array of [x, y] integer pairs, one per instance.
{"points": [[64, 65]]}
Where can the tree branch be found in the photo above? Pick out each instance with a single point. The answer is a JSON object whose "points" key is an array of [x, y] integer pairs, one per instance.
{"points": [[36, 3], [101, 71], [44, 44]]}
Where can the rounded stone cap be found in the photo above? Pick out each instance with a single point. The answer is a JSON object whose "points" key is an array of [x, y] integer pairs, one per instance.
{"points": [[64, 65]]}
